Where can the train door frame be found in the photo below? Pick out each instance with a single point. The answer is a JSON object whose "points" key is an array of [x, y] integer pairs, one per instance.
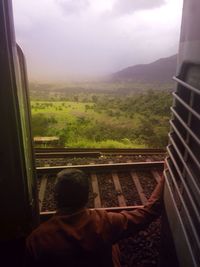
{"points": [[18, 199]]}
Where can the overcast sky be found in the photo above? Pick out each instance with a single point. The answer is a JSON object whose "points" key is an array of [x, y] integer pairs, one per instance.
{"points": [[62, 39]]}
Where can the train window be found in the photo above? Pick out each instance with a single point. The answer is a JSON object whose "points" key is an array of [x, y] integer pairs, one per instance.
{"points": [[185, 94], [178, 123], [181, 111], [192, 76], [195, 148], [196, 103], [176, 137], [194, 125]]}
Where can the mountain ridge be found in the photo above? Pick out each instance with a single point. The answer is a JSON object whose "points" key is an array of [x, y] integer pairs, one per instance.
{"points": [[161, 70]]}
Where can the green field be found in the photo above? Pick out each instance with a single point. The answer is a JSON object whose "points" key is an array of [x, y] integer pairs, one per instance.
{"points": [[105, 120]]}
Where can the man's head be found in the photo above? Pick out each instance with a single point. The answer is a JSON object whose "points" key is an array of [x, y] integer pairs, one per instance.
{"points": [[71, 189]]}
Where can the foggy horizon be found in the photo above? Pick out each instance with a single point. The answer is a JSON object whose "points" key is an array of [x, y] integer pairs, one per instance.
{"points": [[66, 40]]}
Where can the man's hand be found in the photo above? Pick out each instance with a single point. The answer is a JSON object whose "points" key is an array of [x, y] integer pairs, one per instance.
{"points": [[165, 168], [165, 164]]}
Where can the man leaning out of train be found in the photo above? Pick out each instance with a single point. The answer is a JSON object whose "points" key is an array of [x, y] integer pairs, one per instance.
{"points": [[77, 236]]}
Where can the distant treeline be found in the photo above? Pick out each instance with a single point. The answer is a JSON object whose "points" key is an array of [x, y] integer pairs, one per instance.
{"points": [[84, 91]]}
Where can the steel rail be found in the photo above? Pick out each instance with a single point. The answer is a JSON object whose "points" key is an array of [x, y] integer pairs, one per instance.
{"points": [[103, 167], [100, 150], [90, 154], [67, 155], [93, 153], [45, 215]]}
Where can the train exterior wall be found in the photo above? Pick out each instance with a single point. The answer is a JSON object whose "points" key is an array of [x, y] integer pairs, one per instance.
{"points": [[182, 189], [189, 48]]}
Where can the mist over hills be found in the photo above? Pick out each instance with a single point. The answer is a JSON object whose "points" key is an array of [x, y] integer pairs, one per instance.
{"points": [[161, 71], [134, 79]]}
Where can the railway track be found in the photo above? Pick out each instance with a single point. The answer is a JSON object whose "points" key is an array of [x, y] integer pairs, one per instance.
{"points": [[93, 152], [62, 156], [115, 187], [112, 186]]}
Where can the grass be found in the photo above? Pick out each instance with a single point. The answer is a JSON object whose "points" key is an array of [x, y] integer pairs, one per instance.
{"points": [[71, 111], [104, 144], [70, 117]]}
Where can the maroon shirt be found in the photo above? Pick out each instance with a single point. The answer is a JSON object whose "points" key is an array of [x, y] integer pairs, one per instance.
{"points": [[86, 238]]}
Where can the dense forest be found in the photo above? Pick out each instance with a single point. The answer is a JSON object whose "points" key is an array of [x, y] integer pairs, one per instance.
{"points": [[103, 118]]}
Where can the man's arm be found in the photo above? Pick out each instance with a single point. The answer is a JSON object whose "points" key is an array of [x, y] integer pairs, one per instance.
{"points": [[126, 223]]}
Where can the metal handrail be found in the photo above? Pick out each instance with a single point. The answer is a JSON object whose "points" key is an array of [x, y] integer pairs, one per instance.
{"points": [[186, 85], [185, 125], [185, 208], [184, 143], [184, 184], [185, 165], [181, 175], [186, 105], [179, 217]]}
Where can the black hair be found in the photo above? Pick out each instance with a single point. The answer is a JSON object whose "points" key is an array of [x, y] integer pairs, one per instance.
{"points": [[71, 189]]}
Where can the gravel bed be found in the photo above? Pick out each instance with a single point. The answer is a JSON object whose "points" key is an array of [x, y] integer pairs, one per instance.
{"points": [[128, 188], [143, 249], [108, 194], [48, 202], [91, 197], [107, 191], [147, 181]]}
